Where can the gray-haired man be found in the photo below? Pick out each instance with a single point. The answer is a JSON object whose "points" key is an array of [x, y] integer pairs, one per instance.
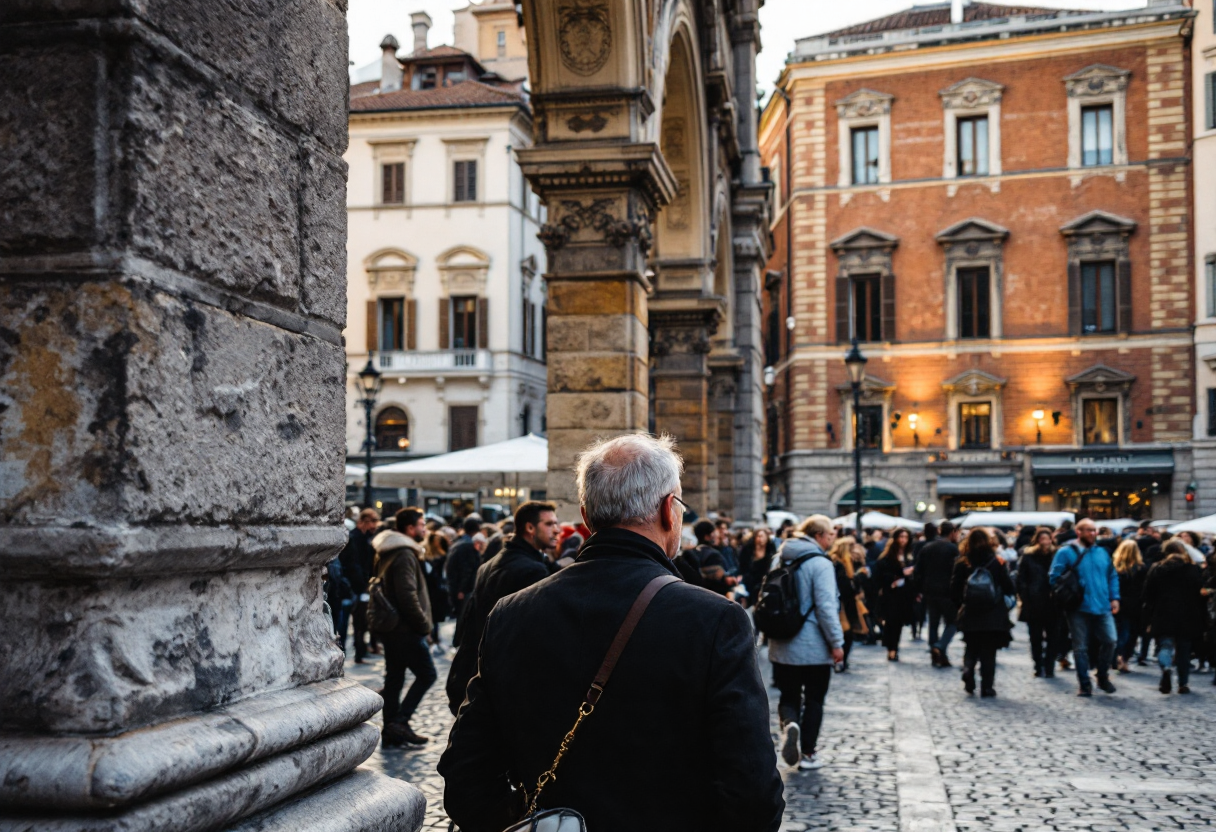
{"points": [[686, 687]]}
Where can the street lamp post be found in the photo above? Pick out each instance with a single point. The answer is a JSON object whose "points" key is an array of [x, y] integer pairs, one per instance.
{"points": [[370, 380], [855, 362]]}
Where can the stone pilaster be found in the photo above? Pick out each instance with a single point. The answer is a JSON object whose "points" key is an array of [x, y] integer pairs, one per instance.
{"points": [[172, 224], [601, 202]]}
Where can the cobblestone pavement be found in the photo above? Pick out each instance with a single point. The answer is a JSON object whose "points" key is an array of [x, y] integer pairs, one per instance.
{"points": [[908, 750]]}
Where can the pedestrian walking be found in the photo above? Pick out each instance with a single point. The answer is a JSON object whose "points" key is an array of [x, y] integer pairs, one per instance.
{"points": [[462, 564], [978, 587], [399, 572], [1129, 564], [1209, 594], [356, 560], [896, 594], [931, 576], [1175, 611], [1038, 611], [852, 610], [1095, 618], [677, 739], [434, 559], [802, 665], [519, 565], [703, 565], [756, 557]]}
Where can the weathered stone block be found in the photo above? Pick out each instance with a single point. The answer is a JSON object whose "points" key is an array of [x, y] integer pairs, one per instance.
{"points": [[593, 372], [612, 412], [124, 402], [196, 194], [48, 174], [595, 297], [105, 656], [323, 226]]}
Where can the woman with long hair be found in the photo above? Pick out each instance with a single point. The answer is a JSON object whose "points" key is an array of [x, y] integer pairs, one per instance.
{"points": [[755, 558], [851, 615], [983, 618], [896, 594], [1174, 611], [434, 555], [1132, 572], [1040, 613]]}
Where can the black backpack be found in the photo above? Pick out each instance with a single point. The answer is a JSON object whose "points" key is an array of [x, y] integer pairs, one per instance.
{"points": [[1068, 594], [778, 610], [980, 595]]}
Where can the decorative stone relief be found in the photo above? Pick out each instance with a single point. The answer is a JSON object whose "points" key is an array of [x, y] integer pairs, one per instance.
{"points": [[864, 104], [463, 271], [593, 121], [596, 216], [391, 270], [1096, 80], [1098, 235], [584, 35], [864, 250], [971, 94]]}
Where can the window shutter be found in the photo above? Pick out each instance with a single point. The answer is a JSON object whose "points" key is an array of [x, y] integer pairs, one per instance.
{"points": [[411, 324], [1212, 411], [445, 327], [1123, 290], [888, 307], [458, 190], [1209, 101], [471, 186], [1074, 298], [386, 184], [373, 328], [483, 323], [842, 310]]}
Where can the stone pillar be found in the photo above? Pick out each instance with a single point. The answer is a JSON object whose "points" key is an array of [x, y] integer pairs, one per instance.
{"points": [[600, 205], [172, 229], [680, 338], [723, 389]]}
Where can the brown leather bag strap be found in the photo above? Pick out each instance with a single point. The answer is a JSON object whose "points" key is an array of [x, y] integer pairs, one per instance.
{"points": [[622, 636]]}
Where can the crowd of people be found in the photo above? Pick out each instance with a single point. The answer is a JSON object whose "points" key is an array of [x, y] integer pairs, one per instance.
{"points": [[1141, 591]]}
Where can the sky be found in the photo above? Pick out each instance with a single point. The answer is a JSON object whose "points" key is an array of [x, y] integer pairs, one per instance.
{"points": [[782, 22]]}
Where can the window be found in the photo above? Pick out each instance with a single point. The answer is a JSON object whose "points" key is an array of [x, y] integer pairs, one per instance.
{"points": [[1209, 100], [465, 185], [975, 424], [525, 419], [392, 324], [1212, 411], [502, 43], [1097, 136], [867, 308], [427, 79], [973, 146], [1209, 267], [869, 426], [454, 77], [464, 323], [865, 155], [462, 427], [1097, 298], [974, 307], [392, 430], [529, 328], [1100, 419], [392, 181]]}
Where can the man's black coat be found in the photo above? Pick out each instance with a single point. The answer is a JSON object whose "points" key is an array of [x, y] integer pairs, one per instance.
{"points": [[680, 739], [934, 566], [461, 567], [357, 558], [516, 567]]}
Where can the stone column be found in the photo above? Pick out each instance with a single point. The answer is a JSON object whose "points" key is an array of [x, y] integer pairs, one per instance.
{"points": [[723, 389], [172, 229], [600, 203]]}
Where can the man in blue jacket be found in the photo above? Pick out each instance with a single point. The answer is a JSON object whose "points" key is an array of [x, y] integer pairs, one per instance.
{"points": [[1096, 616]]}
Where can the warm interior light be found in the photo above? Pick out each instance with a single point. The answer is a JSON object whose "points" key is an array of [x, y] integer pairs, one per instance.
{"points": [[1037, 415], [912, 417]]}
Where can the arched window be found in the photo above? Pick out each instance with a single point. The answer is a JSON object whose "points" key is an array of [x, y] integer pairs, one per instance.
{"points": [[392, 430]]}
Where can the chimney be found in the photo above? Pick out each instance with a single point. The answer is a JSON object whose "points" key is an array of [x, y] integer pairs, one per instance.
{"points": [[421, 21], [956, 11], [390, 67]]}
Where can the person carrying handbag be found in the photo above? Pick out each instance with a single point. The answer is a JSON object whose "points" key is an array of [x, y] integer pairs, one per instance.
{"points": [[677, 740]]}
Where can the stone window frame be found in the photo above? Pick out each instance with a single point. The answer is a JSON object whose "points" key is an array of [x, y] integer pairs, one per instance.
{"points": [[865, 251], [465, 149], [1094, 86], [1096, 237], [391, 274], [1101, 382], [386, 152], [864, 108], [971, 97], [381, 407], [974, 243], [1209, 284], [979, 387], [874, 391]]}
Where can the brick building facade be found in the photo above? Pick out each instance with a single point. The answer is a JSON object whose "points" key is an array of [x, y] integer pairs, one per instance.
{"points": [[997, 208]]}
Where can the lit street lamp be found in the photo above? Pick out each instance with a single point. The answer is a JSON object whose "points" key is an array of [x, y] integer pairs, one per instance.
{"points": [[855, 362], [370, 380]]}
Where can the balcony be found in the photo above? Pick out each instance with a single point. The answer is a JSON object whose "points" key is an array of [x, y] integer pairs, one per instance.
{"points": [[436, 362]]}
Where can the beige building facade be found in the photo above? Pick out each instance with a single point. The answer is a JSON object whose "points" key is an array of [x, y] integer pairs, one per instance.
{"points": [[1203, 151]]}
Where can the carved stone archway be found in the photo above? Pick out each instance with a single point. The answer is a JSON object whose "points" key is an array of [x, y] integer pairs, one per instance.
{"points": [[637, 122]]}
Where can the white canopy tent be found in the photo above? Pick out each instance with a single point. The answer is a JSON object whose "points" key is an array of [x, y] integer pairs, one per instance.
{"points": [[1202, 525], [354, 474], [877, 520], [1009, 519], [524, 455]]}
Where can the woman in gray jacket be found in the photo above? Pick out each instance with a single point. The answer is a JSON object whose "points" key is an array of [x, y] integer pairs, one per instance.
{"points": [[802, 665]]}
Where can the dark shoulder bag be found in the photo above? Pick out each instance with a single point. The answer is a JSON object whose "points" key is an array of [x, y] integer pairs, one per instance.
{"points": [[1068, 594], [382, 615], [568, 820]]}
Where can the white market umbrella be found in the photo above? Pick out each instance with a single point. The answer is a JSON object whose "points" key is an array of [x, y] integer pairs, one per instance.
{"points": [[1202, 525], [525, 455], [354, 474], [1009, 519], [877, 520]]}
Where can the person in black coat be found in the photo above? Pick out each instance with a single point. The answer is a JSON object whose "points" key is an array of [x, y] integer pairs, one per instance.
{"points": [[1129, 563], [755, 559], [679, 739], [519, 565], [1039, 612], [896, 594], [931, 575], [985, 626], [1174, 611], [1209, 595], [462, 564], [357, 558]]}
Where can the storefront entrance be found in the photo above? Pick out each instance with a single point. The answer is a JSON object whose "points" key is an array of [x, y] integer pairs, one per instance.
{"points": [[1103, 485]]}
